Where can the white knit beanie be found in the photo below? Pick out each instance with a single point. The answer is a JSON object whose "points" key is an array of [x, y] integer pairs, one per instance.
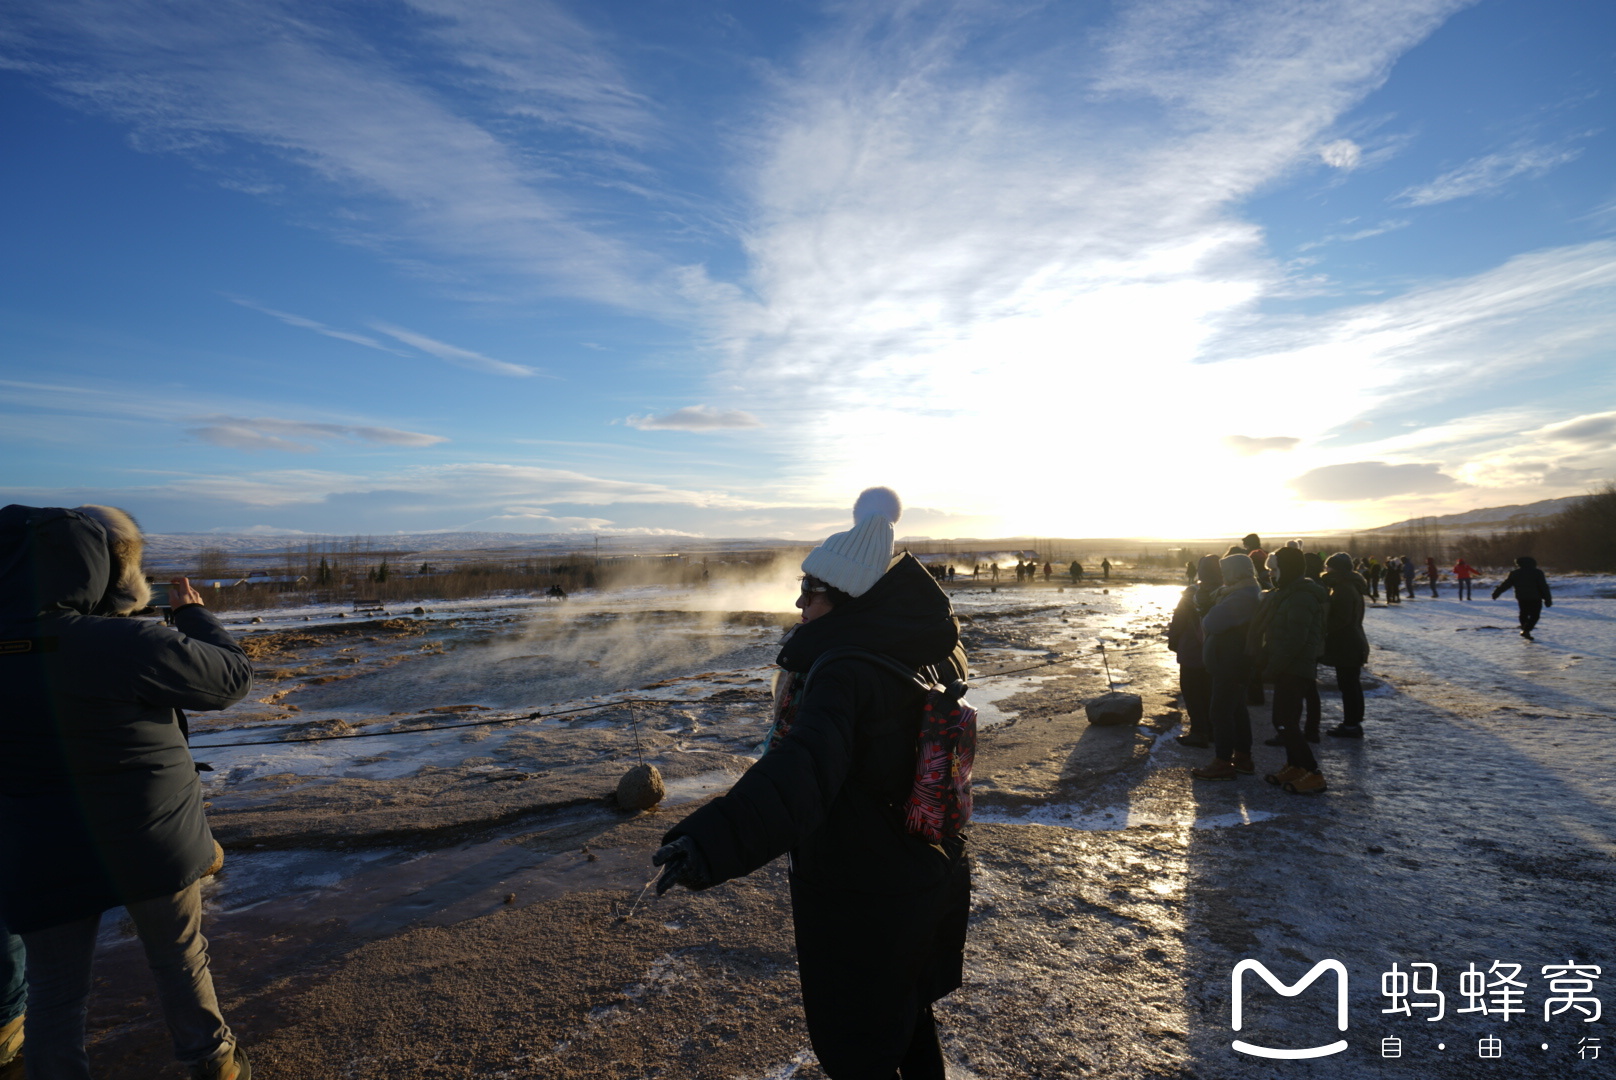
{"points": [[853, 561]]}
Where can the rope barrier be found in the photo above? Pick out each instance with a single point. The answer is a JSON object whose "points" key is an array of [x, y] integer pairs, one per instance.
{"points": [[537, 714]]}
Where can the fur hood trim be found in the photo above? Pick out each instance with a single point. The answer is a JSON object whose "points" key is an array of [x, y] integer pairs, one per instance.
{"points": [[127, 590]]}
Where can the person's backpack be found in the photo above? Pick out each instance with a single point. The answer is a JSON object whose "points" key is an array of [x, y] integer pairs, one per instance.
{"points": [[939, 802]]}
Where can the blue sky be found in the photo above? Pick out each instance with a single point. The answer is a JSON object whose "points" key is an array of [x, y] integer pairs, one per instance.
{"points": [[1168, 268]]}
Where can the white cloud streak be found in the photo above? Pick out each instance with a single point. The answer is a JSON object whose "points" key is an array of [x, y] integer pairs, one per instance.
{"points": [[454, 354], [298, 436], [1488, 174], [196, 77], [303, 323], [696, 418]]}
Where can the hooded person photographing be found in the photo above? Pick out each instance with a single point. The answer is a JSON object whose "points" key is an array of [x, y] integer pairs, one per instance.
{"points": [[99, 801], [879, 911]]}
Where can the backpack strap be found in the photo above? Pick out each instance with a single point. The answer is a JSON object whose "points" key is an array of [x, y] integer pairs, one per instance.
{"points": [[926, 678]]}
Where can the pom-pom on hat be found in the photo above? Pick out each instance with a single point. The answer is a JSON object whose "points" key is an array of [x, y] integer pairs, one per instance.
{"points": [[853, 561]]}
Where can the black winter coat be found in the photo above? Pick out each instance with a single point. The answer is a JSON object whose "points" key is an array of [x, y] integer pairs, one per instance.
{"points": [[1527, 581], [1345, 645], [879, 914], [99, 800]]}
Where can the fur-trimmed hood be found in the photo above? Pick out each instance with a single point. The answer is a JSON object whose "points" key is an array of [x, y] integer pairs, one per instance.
{"points": [[127, 590], [85, 560]]}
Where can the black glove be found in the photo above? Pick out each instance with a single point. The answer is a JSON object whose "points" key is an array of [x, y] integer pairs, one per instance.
{"points": [[681, 864], [1548, 603]]}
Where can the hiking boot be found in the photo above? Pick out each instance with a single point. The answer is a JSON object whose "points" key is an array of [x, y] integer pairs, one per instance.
{"points": [[1347, 731], [1527, 634], [1219, 769], [11, 1043], [1192, 739], [1309, 783], [1286, 775], [232, 1066], [1242, 763], [1275, 741]]}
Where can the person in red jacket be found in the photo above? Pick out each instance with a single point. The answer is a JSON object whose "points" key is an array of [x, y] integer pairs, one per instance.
{"points": [[1462, 573]]}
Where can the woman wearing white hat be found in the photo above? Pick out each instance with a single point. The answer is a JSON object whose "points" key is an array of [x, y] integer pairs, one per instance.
{"points": [[879, 912]]}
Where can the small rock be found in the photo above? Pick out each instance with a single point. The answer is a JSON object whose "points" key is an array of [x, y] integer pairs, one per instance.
{"points": [[1114, 708], [1375, 849], [418, 611], [257, 618], [510, 898], [640, 788]]}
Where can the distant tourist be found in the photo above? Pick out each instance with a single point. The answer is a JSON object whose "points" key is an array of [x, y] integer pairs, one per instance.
{"points": [[1105, 569], [1259, 558], [1048, 571], [1394, 576], [1346, 649], [1372, 570], [1076, 570], [1293, 620], [1229, 669], [1531, 593], [1410, 573], [1463, 573], [880, 913], [1185, 640], [1432, 574]]}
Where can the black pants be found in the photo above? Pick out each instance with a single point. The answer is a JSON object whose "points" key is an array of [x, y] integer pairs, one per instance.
{"points": [[1231, 723], [1315, 709], [1433, 590], [1391, 590], [1195, 683], [1351, 683], [1464, 588], [1289, 693], [1531, 611]]}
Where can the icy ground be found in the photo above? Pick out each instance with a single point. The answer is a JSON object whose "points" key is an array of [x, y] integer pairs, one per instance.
{"points": [[450, 903]]}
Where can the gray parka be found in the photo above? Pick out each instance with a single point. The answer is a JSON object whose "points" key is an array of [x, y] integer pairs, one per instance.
{"points": [[99, 799]]}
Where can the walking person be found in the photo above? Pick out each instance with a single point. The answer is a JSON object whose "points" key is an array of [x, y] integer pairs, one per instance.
{"points": [[879, 912], [1293, 637], [1531, 593], [1346, 649], [1372, 571], [1432, 574], [1184, 638], [1463, 573], [1410, 573], [99, 801], [1229, 669], [1394, 575], [1105, 569]]}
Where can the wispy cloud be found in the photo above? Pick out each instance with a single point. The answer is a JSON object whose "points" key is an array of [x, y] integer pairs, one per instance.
{"points": [[297, 81], [268, 433], [454, 354], [696, 418], [318, 327], [1487, 174], [1390, 225]]}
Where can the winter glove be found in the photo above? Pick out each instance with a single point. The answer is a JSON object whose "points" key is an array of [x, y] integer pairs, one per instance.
{"points": [[682, 864], [1548, 603]]}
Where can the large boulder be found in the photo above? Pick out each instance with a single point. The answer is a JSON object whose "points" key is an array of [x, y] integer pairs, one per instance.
{"points": [[640, 788], [1115, 708]]}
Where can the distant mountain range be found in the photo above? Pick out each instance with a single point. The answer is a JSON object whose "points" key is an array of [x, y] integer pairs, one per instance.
{"points": [[182, 548], [1491, 519]]}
